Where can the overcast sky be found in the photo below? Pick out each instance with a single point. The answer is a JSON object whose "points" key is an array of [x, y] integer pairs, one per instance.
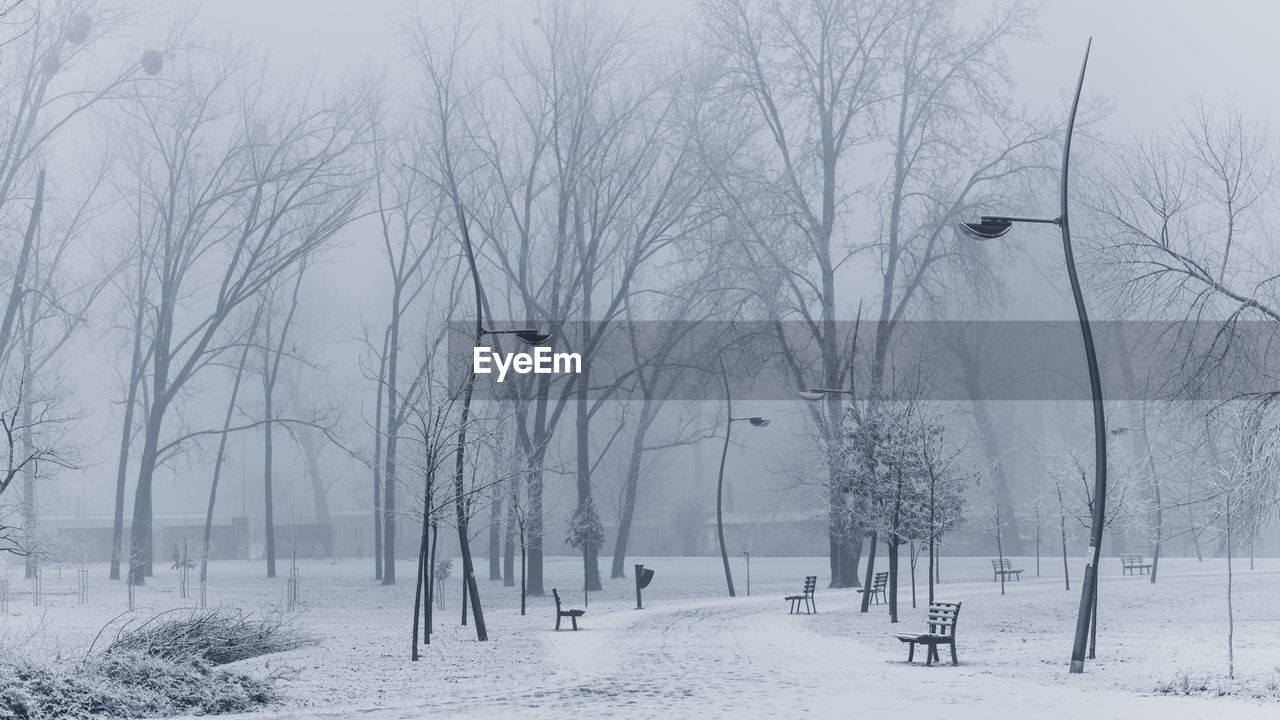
{"points": [[1148, 54]]}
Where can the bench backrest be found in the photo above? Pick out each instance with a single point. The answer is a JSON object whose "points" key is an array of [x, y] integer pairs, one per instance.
{"points": [[881, 579], [810, 582], [1002, 564], [1131, 559], [942, 618], [556, 594]]}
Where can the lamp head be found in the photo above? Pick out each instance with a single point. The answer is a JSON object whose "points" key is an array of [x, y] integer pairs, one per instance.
{"points": [[812, 394], [533, 337], [758, 421], [989, 228]]}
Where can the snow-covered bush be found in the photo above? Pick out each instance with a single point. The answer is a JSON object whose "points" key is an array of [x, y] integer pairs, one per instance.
{"points": [[166, 665], [123, 685]]}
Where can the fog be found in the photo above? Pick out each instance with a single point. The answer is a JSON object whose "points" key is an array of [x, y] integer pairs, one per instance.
{"points": [[1150, 63]]}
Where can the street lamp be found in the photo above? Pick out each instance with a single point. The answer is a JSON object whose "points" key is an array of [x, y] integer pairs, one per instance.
{"points": [[527, 336], [755, 421], [994, 226], [819, 393], [531, 336]]}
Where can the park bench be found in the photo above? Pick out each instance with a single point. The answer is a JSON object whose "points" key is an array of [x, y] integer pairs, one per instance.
{"points": [[1133, 562], [1003, 567], [806, 597], [572, 614], [877, 587], [942, 631]]}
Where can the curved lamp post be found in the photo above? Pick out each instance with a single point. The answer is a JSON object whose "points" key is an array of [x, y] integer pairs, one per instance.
{"points": [[755, 421], [993, 226], [531, 336]]}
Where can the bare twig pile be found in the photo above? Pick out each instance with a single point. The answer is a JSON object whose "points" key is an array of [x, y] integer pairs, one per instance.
{"points": [[215, 636]]}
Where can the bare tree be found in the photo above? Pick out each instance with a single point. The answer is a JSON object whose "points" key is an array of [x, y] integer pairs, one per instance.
{"points": [[275, 323], [49, 80], [1243, 493], [220, 458], [574, 182], [237, 185], [822, 81], [410, 214]]}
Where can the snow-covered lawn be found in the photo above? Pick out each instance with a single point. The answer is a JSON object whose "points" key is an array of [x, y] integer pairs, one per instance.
{"points": [[693, 651]]}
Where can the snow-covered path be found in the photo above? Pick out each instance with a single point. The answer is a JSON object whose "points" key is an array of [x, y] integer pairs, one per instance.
{"points": [[749, 658]]}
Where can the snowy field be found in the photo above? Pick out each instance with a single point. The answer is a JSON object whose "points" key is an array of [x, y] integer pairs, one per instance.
{"points": [[693, 651]]}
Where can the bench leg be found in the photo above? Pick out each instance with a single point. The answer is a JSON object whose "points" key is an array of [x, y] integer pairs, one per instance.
{"points": [[931, 654], [557, 622], [911, 651], [813, 603], [954, 661]]}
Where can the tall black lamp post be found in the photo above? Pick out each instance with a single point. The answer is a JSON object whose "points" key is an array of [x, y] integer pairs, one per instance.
{"points": [[993, 226], [756, 421]]}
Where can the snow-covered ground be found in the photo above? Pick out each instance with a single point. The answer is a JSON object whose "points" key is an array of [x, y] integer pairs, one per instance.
{"points": [[695, 652]]}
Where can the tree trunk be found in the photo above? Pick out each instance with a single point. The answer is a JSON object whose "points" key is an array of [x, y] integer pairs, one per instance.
{"points": [[465, 588], [269, 548], [126, 435], [431, 582], [869, 577], [1062, 527], [911, 550], [844, 543], [377, 470], [389, 494], [618, 570], [217, 469], [140, 551], [417, 587], [30, 519], [319, 491], [931, 560], [495, 532], [893, 581], [509, 546], [534, 522], [459, 499], [999, 549], [1231, 617]]}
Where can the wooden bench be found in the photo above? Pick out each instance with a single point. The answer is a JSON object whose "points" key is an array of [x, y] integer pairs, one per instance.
{"points": [[572, 614], [1003, 567], [877, 587], [810, 583], [1129, 563], [942, 631]]}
